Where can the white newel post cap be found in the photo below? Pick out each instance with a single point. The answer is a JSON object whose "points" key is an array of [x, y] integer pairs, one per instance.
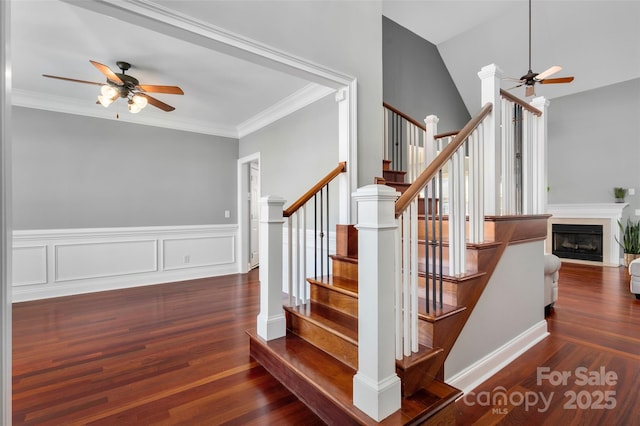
{"points": [[271, 207], [374, 206], [540, 103], [491, 70]]}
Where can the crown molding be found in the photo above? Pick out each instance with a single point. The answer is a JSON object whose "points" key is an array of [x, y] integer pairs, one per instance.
{"points": [[292, 103], [29, 99]]}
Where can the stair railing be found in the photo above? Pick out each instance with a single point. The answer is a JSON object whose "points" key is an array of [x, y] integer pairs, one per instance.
{"points": [[404, 142], [463, 190], [522, 157], [311, 210]]}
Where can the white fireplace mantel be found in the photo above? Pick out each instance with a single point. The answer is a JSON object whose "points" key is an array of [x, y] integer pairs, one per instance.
{"points": [[612, 211], [606, 214]]}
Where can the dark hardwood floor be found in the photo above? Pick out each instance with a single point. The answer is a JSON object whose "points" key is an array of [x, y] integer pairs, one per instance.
{"points": [[594, 343], [177, 354]]}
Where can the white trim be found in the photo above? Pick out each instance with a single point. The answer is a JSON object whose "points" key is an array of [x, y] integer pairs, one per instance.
{"points": [[5, 213], [28, 99], [472, 376], [242, 220], [296, 101], [74, 261], [193, 30]]}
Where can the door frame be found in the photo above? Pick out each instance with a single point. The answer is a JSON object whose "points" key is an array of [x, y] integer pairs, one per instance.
{"points": [[244, 227]]}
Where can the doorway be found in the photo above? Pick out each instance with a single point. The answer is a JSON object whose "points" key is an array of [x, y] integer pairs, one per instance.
{"points": [[249, 194]]}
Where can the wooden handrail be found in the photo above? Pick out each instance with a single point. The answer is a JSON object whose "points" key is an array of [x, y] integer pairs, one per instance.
{"points": [[446, 134], [342, 167], [403, 115], [405, 199], [520, 102]]}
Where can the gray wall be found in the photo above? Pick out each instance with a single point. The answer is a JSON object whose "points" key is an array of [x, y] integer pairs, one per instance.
{"points": [[594, 145], [416, 80], [72, 171], [296, 151], [341, 35]]}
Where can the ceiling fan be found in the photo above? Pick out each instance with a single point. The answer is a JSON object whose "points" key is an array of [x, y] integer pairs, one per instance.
{"points": [[122, 85], [531, 78]]}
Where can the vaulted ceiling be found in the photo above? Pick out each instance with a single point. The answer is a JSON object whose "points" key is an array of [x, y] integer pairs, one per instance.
{"points": [[598, 42]]}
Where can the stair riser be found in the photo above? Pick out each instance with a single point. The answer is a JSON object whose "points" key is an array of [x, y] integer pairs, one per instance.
{"points": [[449, 291], [394, 176], [471, 257], [419, 375], [339, 301], [333, 344], [346, 240], [345, 269]]}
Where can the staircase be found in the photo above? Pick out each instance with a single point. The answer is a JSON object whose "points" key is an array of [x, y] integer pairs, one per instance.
{"points": [[437, 267], [318, 357]]}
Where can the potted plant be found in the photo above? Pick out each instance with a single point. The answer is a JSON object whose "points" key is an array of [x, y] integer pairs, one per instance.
{"points": [[619, 194], [630, 240]]}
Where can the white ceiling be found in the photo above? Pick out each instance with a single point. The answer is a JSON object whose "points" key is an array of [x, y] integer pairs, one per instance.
{"points": [[596, 41]]}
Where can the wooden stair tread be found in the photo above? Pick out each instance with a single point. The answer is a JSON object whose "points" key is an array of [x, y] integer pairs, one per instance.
{"points": [[441, 313], [423, 353], [339, 284], [338, 324], [318, 379], [451, 278], [350, 259]]}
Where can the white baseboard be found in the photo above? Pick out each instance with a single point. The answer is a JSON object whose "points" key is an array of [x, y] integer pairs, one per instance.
{"points": [[63, 262], [469, 378]]}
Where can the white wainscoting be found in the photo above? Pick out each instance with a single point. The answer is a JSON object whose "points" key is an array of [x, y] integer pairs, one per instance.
{"points": [[62, 262]]}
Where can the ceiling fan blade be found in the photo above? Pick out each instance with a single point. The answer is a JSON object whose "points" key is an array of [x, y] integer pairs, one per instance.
{"points": [[544, 74], [73, 80], [556, 80], [515, 87], [172, 90], [530, 91], [107, 72], [156, 103]]}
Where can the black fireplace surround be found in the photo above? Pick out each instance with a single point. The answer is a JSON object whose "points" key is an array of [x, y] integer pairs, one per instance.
{"points": [[582, 242]]}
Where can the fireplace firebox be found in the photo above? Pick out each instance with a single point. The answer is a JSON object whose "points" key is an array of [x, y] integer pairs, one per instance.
{"points": [[583, 242]]}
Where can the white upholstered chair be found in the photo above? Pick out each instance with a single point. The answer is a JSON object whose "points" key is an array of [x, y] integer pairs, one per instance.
{"points": [[552, 265], [634, 271]]}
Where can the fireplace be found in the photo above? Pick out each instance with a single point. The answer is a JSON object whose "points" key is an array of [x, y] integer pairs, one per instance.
{"points": [[572, 241]]}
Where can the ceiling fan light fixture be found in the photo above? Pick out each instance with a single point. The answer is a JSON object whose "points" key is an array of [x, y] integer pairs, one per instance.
{"points": [[140, 100], [108, 91], [134, 108], [105, 101]]}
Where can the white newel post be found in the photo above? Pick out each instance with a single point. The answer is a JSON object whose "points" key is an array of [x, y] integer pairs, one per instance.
{"points": [[430, 148], [376, 387], [271, 322], [490, 83], [540, 157]]}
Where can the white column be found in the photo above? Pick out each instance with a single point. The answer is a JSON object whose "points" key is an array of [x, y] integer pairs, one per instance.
{"points": [[5, 213], [376, 387], [490, 84], [540, 153], [347, 151], [271, 322]]}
